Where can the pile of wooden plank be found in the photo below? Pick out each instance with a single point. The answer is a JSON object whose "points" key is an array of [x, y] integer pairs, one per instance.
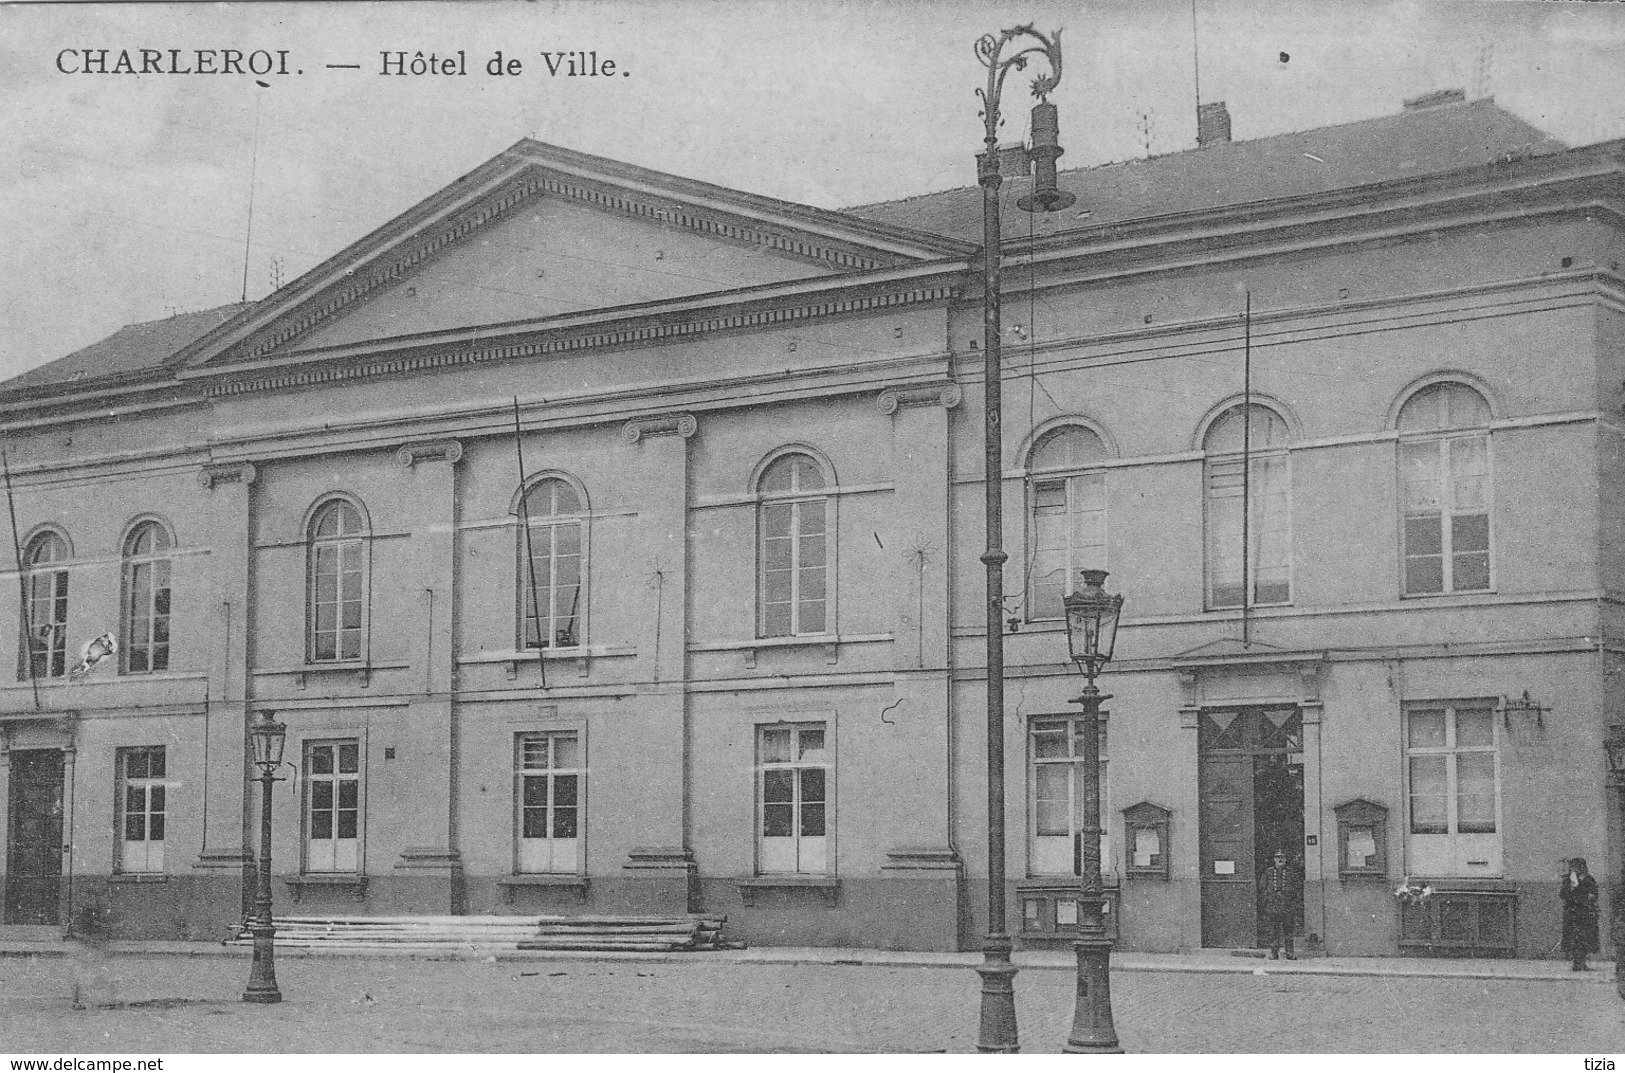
{"points": [[650, 934]]}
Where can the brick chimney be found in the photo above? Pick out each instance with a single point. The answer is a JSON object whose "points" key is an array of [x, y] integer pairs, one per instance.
{"points": [[1212, 124], [1435, 99]]}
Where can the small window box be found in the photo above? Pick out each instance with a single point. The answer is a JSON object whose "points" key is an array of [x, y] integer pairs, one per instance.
{"points": [[827, 887], [1461, 921], [546, 882], [1049, 909], [354, 885]]}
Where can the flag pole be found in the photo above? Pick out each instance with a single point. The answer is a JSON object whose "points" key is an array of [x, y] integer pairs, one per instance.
{"points": [[22, 582], [530, 560]]}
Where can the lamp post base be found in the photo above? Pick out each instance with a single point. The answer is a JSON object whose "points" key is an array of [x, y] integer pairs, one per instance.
{"points": [[998, 1029], [1092, 1028], [262, 986]]}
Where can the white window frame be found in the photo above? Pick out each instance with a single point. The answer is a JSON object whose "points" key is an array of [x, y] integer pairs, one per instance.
{"points": [[541, 543], [1056, 854], [332, 854], [798, 852], [1255, 462], [47, 634], [1079, 556], [1452, 852], [1443, 442], [549, 854], [154, 612], [360, 542], [149, 794], [799, 503]]}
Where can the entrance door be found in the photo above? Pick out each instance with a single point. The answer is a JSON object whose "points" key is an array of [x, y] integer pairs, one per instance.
{"points": [[1250, 782], [34, 851]]}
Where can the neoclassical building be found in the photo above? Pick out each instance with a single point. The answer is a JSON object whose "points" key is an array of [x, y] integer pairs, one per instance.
{"points": [[608, 542]]}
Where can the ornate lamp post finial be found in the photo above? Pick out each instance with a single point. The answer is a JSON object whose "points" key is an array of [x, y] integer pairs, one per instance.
{"points": [[998, 1012]]}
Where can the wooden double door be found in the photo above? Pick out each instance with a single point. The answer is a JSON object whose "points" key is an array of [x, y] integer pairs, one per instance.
{"points": [[34, 832], [1250, 785]]}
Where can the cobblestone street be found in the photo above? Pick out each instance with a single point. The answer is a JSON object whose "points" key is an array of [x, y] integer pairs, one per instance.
{"points": [[172, 1004]]}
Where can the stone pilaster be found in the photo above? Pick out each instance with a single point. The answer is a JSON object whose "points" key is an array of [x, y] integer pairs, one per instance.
{"points": [[659, 873], [428, 876], [226, 856]]}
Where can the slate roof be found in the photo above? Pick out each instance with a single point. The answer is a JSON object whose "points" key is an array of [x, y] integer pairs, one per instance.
{"points": [[1418, 141], [132, 349], [1423, 141]]}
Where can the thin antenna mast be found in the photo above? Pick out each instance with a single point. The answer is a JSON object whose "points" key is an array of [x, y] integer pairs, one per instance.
{"points": [[253, 172], [1247, 473], [22, 581], [1196, 57], [530, 554]]}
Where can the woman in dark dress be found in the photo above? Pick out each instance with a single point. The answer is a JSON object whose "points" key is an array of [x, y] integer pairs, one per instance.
{"points": [[1579, 894]]}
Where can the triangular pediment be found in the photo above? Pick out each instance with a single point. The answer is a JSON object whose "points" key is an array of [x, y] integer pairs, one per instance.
{"points": [[539, 232], [1229, 650]]}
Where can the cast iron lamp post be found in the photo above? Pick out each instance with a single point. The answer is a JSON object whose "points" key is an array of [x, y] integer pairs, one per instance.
{"points": [[1615, 744], [269, 737], [1091, 633], [998, 1021]]}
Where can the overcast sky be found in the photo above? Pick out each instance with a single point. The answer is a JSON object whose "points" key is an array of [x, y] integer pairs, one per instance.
{"points": [[126, 198]]}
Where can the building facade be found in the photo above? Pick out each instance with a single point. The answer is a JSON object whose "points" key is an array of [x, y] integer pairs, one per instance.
{"points": [[608, 542]]}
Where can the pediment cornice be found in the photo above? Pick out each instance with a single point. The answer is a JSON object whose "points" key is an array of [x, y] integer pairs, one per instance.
{"points": [[744, 310], [506, 185]]}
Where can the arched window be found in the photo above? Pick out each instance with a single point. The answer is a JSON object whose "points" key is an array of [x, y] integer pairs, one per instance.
{"points": [[793, 521], [45, 606], [338, 582], [1255, 512], [1066, 516], [553, 581], [144, 622], [1444, 476]]}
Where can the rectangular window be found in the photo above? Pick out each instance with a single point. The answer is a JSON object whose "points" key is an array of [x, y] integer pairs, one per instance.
{"points": [[555, 551], [1452, 776], [1056, 787], [146, 616], [142, 808], [1447, 523], [48, 623], [547, 797], [333, 806], [1068, 534], [794, 562], [1269, 532], [793, 798], [337, 601]]}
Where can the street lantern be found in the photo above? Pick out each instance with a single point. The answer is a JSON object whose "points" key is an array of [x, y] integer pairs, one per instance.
{"points": [[1091, 633], [998, 1011], [1091, 622], [267, 737], [1614, 745]]}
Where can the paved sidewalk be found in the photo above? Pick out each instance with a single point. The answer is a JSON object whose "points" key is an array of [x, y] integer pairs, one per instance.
{"points": [[1205, 961], [185, 998]]}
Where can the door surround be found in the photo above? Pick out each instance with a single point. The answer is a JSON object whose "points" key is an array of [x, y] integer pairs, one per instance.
{"points": [[23, 731], [1227, 674]]}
